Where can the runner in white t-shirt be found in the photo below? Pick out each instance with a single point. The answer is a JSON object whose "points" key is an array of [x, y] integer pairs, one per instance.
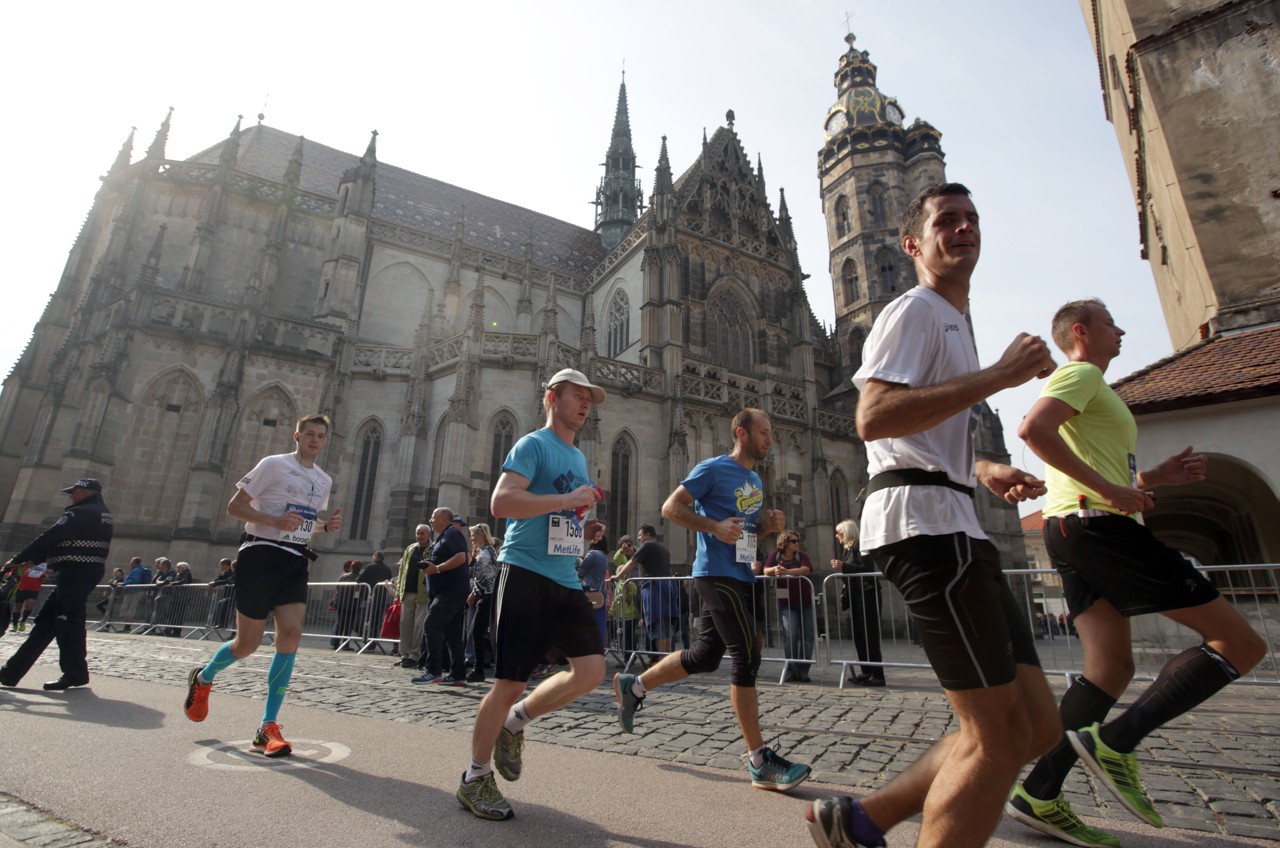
{"points": [[280, 501], [919, 382]]}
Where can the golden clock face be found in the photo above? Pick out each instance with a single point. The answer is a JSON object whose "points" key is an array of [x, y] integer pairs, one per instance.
{"points": [[836, 123]]}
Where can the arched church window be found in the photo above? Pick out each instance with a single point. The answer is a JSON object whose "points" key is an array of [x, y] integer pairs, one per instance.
{"points": [[504, 436], [728, 331], [366, 481], [844, 221], [621, 465], [878, 211], [619, 324], [849, 281], [888, 266], [839, 498]]}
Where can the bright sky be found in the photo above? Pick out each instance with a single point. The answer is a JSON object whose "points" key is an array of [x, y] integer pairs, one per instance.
{"points": [[516, 100]]}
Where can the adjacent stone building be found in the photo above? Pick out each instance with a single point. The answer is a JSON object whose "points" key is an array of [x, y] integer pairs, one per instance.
{"points": [[209, 301], [1193, 91]]}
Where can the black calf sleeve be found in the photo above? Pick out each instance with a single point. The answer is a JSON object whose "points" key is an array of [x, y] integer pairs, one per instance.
{"points": [[1081, 706], [1186, 681]]}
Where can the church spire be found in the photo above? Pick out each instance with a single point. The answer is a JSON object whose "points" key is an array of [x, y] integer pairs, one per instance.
{"points": [[156, 150], [662, 177], [619, 200], [125, 154]]}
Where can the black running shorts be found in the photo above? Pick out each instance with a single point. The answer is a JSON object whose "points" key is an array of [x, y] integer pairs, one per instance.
{"points": [[268, 577], [974, 633], [1116, 558], [532, 615]]}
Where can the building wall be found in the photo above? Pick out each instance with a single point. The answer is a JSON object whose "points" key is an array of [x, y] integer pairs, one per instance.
{"points": [[1192, 91]]}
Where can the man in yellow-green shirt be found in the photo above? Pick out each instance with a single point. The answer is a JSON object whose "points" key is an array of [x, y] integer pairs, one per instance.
{"points": [[1112, 568]]}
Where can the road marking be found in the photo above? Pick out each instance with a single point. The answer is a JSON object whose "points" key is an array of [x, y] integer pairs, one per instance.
{"points": [[236, 756]]}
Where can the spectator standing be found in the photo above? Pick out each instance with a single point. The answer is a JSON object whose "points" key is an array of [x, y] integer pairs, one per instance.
{"points": [[223, 588], [484, 579], [76, 548], [139, 575], [659, 597], [592, 570], [413, 597], [448, 584], [178, 598], [346, 603], [375, 601], [861, 597], [160, 598], [791, 567]]}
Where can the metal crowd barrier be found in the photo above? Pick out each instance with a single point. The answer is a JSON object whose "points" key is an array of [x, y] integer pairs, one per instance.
{"points": [[354, 618], [794, 648], [1252, 589]]}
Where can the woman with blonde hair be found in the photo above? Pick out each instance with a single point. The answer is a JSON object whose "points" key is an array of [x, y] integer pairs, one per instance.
{"points": [[861, 597], [484, 577]]}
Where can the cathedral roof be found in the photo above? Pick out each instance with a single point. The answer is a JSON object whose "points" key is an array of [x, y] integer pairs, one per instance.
{"points": [[421, 203], [1220, 369]]}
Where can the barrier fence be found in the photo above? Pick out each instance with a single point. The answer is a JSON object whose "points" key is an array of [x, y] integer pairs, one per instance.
{"points": [[854, 622]]}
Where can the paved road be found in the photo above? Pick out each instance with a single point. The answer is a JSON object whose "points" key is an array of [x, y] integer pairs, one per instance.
{"points": [[378, 760]]}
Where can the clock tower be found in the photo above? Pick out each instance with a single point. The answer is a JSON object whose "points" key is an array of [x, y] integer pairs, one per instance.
{"points": [[869, 169]]}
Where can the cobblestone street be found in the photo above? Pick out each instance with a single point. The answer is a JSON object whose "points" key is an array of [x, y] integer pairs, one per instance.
{"points": [[1215, 771]]}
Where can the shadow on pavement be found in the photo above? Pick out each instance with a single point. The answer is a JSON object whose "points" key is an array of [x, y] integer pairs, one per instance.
{"points": [[81, 704], [423, 809]]}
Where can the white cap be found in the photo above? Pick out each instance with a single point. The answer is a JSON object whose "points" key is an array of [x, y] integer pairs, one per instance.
{"points": [[568, 375]]}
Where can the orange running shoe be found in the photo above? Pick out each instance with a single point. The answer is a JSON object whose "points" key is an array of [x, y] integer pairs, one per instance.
{"points": [[197, 705], [270, 742]]}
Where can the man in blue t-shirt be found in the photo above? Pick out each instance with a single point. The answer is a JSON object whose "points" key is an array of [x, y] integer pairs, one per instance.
{"points": [[539, 605], [723, 500], [448, 583]]}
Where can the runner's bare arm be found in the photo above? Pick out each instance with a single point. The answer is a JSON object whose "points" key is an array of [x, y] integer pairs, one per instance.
{"points": [[679, 508], [512, 498], [241, 509]]}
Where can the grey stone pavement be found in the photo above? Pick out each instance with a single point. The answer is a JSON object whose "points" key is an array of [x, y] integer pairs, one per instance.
{"points": [[117, 763]]}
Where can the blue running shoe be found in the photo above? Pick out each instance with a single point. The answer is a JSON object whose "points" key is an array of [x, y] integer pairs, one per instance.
{"points": [[777, 773], [628, 703]]}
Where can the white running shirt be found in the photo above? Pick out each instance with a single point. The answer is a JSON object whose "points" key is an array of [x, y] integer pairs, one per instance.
{"points": [[920, 340], [279, 484]]}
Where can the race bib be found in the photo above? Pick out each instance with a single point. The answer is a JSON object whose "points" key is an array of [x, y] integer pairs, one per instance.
{"points": [[303, 534], [746, 549], [564, 536]]}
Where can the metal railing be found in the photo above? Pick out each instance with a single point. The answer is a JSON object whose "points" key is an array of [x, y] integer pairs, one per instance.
{"points": [[792, 633], [1155, 638], [349, 615]]}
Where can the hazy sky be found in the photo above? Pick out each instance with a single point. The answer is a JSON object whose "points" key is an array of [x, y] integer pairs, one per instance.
{"points": [[516, 100]]}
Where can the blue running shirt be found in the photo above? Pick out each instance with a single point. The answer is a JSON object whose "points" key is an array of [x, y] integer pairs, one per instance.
{"points": [[551, 467], [722, 489]]}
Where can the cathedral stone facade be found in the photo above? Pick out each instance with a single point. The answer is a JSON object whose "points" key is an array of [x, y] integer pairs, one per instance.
{"points": [[210, 301]]}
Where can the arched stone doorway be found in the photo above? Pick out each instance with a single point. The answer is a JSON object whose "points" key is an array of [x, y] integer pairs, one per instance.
{"points": [[1230, 518]]}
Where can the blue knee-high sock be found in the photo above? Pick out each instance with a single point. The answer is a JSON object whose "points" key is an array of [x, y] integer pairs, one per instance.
{"points": [[221, 659], [277, 684]]}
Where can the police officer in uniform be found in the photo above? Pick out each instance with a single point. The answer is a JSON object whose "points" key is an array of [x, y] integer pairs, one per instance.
{"points": [[76, 549]]}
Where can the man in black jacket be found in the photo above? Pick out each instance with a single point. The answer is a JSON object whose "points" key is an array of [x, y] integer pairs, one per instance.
{"points": [[76, 549]]}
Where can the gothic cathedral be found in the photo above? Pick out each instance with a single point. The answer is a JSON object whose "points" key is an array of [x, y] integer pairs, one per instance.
{"points": [[208, 302]]}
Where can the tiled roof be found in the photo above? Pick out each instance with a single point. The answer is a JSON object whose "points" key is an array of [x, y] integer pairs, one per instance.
{"points": [[1223, 368], [422, 203], [1033, 522]]}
